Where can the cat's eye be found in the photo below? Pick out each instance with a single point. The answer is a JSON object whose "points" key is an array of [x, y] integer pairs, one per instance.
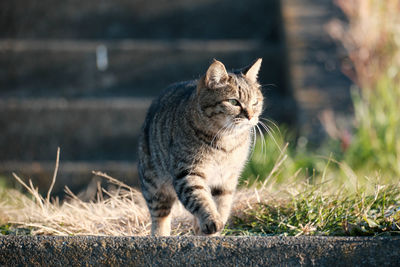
{"points": [[255, 102], [234, 102]]}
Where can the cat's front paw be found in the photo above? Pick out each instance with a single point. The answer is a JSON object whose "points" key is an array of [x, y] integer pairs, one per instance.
{"points": [[211, 225]]}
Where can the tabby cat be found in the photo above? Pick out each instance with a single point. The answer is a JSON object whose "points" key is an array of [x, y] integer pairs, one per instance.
{"points": [[194, 143]]}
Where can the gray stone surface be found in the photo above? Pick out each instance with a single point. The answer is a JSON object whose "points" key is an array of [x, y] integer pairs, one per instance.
{"points": [[104, 19], [85, 129], [135, 68], [316, 64], [198, 251]]}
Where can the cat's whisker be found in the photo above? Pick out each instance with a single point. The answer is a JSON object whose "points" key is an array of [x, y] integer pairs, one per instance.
{"points": [[268, 84], [263, 143], [253, 134], [271, 135], [218, 133], [269, 127], [262, 139], [271, 122], [213, 140], [225, 130], [255, 138], [231, 128], [222, 133]]}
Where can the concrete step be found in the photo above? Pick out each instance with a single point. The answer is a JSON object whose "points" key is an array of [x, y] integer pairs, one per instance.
{"points": [[79, 68], [199, 251], [90, 129], [77, 175], [140, 19], [316, 63]]}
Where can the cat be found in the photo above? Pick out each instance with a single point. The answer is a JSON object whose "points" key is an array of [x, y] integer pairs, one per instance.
{"points": [[194, 144]]}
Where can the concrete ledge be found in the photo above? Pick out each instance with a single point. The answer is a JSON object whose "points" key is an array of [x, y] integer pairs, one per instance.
{"points": [[198, 251]]}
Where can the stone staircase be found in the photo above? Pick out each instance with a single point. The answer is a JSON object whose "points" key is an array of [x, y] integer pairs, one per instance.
{"points": [[316, 63], [80, 75]]}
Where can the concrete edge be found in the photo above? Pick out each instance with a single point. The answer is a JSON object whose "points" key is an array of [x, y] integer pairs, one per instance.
{"points": [[198, 251]]}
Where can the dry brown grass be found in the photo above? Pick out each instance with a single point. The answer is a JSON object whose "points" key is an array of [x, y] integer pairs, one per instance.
{"points": [[121, 212]]}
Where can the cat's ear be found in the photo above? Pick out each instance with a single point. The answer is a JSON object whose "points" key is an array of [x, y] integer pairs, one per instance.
{"points": [[251, 72], [216, 75]]}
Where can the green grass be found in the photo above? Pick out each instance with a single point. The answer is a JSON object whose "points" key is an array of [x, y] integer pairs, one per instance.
{"points": [[315, 195], [10, 229], [329, 208], [376, 142]]}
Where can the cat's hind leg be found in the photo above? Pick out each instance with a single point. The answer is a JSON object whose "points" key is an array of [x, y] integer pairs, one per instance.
{"points": [[159, 198], [160, 206], [161, 226]]}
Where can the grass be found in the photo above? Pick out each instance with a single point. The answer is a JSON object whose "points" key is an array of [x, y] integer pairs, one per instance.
{"points": [[372, 40], [9, 229], [333, 201], [272, 206], [120, 213]]}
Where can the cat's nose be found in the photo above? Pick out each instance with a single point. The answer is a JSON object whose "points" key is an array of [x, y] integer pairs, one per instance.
{"points": [[248, 113]]}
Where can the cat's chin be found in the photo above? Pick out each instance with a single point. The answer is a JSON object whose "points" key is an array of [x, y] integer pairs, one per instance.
{"points": [[243, 127], [248, 123]]}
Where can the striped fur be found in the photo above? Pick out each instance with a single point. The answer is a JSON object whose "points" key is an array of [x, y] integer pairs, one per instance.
{"points": [[194, 143]]}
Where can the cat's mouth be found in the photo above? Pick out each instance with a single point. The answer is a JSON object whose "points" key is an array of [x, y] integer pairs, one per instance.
{"points": [[246, 122], [237, 125]]}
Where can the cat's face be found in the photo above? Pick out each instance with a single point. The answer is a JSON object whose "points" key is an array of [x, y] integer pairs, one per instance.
{"points": [[231, 101]]}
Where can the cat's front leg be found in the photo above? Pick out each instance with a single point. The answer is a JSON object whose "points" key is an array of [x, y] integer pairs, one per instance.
{"points": [[223, 197], [195, 196]]}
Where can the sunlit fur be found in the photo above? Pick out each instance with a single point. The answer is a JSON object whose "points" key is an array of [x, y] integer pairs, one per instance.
{"points": [[194, 144]]}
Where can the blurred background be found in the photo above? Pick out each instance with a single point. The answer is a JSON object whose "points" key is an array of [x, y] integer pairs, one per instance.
{"points": [[80, 75]]}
